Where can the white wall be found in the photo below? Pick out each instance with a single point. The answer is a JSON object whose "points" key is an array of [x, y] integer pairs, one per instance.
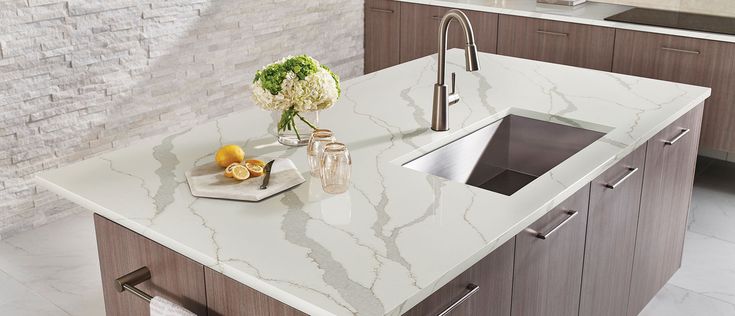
{"points": [[714, 7], [81, 77]]}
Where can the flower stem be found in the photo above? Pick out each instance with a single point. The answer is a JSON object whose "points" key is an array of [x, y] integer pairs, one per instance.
{"points": [[305, 121], [288, 121], [296, 130]]}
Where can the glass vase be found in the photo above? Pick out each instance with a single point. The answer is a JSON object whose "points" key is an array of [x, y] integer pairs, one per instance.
{"points": [[299, 136]]}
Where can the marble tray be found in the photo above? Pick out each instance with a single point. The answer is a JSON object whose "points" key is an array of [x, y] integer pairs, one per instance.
{"points": [[209, 181]]}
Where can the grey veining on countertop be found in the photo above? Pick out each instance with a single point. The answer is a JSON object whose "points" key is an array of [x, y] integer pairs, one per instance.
{"points": [[591, 13], [396, 235]]}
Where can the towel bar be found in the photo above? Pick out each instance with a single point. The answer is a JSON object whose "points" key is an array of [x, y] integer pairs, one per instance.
{"points": [[130, 280]]}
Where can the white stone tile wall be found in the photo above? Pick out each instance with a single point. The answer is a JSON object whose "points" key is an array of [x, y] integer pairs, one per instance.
{"points": [[81, 77]]}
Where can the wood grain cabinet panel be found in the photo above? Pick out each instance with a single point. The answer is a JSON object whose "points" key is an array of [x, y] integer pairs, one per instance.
{"points": [[173, 276], [382, 34], [686, 60], [611, 230], [557, 42], [420, 31], [493, 274], [226, 297], [666, 195], [548, 272]]}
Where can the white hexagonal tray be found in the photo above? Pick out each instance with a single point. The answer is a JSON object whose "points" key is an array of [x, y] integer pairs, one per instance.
{"points": [[209, 181]]}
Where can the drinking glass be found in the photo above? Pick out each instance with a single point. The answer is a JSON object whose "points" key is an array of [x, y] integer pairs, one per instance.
{"points": [[336, 168], [314, 150]]}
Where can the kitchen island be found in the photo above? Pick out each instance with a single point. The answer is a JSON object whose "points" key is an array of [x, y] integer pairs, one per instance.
{"points": [[397, 235]]}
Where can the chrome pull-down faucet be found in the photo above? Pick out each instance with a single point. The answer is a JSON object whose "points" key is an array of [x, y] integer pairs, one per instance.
{"points": [[442, 99]]}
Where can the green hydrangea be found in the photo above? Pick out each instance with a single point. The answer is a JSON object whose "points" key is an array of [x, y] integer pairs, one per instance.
{"points": [[272, 76]]}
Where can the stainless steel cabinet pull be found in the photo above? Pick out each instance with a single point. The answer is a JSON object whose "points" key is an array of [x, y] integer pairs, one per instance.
{"points": [[129, 281], [471, 290], [630, 173], [682, 133], [544, 236], [381, 10], [552, 33], [677, 50]]}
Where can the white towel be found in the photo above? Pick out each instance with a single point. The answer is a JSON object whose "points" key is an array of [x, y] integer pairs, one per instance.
{"points": [[163, 307]]}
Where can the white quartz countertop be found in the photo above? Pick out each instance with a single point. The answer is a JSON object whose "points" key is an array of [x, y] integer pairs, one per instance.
{"points": [[397, 235], [591, 13]]}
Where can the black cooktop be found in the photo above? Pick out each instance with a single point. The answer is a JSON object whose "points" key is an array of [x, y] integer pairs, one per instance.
{"points": [[677, 20]]}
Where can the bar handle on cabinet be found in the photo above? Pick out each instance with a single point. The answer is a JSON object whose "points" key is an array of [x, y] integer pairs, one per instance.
{"points": [[630, 173], [381, 10], [129, 281], [571, 214], [678, 50], [682, 133], [543, 32], [471, 290], [436, 17]]}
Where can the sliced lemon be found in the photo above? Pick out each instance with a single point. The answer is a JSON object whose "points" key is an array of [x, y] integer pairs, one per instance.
{"points": [[228, 170], [256, 170], [256, 162], [239, 172]]}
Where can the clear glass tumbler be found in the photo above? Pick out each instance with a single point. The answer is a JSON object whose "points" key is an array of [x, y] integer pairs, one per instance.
{"points": [[314, 150], [336, 168]]}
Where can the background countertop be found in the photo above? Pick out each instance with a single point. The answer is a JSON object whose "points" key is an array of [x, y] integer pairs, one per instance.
{"points": [[591, 13], [397, 235]]}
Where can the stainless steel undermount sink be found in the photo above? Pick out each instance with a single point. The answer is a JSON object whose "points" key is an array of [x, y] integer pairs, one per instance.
{"points": [[507, 155]]}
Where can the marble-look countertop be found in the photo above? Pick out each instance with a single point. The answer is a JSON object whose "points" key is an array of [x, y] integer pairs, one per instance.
{"points": [[397, 235], [591, 13]]}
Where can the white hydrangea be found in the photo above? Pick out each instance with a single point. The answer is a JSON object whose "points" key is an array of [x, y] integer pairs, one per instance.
{"points": [[268, 101], [316, 92]]}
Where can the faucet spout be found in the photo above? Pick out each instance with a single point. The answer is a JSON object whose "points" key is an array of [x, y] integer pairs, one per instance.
{"points": [[442, 99]]}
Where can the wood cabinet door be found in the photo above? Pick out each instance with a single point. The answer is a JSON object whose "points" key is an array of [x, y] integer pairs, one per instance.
{"points": [[686, 60], [173, 276], [548, 272], [420, 31], [611, 227], [382, 34], [557, 42], [667, 192], [493, 275], [226, 297]]}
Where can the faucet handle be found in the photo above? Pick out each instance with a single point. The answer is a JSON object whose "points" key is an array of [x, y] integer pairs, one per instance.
{"points": [[453, 97]]}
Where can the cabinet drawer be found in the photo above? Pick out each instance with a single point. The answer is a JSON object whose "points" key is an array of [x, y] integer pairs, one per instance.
{"points": [[557, 42], [493, 275], [173, 276], [611, 228], [420, 30], [665, 57], [691, 61], [548, 261], [382, 34]]}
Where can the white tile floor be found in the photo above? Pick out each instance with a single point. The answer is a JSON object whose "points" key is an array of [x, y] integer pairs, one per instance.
{"points": [[53, 270]]}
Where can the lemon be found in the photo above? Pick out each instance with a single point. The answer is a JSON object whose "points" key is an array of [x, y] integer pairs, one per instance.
{"points": [[228, 155], [239, 172]]}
